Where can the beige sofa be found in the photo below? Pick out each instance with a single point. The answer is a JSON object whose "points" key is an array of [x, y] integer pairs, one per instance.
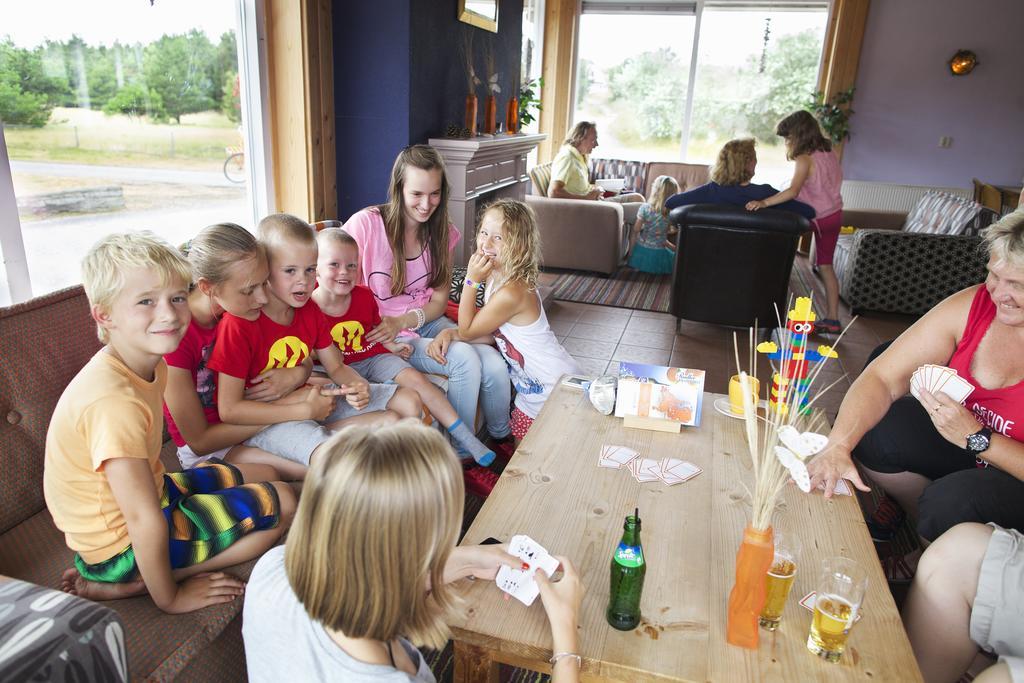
{"points": [[576, 234], [581, 235]]}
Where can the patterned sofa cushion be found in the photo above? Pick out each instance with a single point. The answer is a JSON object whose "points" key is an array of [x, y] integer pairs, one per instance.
{"points": [[541, 177], [939, 213], [900, 272]]}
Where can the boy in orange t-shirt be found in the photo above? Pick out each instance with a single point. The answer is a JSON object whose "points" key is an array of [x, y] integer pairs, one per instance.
{"points": [[133, 527]]}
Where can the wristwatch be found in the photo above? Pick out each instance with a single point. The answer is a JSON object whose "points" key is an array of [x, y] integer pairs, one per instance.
{"points": [[979, 441]]}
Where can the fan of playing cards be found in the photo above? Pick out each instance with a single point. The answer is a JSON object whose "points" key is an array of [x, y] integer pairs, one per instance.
{"points": [[519, 583], [671, 471], [937, 378]]}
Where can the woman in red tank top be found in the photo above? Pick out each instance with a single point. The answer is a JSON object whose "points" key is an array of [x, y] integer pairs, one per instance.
{"points": [[945, 462]]}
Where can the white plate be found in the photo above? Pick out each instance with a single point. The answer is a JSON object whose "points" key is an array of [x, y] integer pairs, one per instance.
{"points": [[722, 406], [611, 184]]}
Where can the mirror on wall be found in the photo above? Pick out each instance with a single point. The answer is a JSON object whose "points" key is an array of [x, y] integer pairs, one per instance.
{"points": [[480, 13]]}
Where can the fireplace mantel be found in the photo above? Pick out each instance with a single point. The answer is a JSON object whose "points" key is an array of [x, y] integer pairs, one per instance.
{"points": [[480, 170]]}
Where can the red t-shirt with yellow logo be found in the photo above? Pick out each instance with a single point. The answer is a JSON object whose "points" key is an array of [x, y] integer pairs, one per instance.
{"points": [[248, 348], [348, 330]]}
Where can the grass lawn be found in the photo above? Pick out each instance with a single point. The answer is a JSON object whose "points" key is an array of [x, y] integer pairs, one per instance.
{"points": [[91, 137]]}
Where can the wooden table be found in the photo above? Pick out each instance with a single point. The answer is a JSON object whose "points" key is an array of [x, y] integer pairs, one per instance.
{"points": [[554, 491]]}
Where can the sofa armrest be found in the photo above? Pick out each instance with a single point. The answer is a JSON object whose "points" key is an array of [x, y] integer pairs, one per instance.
{"points": [[58, 636], [580, 234], [874, 220]]}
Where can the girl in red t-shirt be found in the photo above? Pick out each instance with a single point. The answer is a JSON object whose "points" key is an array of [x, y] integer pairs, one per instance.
{"points": [[229, 269]]}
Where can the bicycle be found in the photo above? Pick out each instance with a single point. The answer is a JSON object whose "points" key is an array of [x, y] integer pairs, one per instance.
{"points": [[234, 165]]}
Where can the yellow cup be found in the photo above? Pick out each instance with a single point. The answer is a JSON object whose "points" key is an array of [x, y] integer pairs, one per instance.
{"points": [[736, 393]]}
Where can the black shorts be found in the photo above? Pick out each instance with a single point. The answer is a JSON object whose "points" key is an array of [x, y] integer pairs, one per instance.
{"points": [[905, 440]]}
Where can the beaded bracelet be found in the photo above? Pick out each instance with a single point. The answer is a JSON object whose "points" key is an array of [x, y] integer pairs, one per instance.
{"points": [[563, 655], [421, 318], [469, 283]]}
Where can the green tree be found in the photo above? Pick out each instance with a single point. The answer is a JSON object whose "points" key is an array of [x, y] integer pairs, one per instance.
{"points": [[225, 62], [134, 100], [652, 83], [791, 70], [27, 94], [231, 104], [178, 68]]}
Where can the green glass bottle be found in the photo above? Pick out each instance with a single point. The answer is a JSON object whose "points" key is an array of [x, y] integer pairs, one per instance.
{"points": [[627, 577]]}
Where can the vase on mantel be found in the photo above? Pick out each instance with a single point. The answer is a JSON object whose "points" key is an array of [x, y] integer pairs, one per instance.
{"points": [[746, 600], [471, 115], [512, 116], [490, 115]]}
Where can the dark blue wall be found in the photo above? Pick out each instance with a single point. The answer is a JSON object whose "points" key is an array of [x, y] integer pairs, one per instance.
{"points": [[371, 97], [399, 80]]}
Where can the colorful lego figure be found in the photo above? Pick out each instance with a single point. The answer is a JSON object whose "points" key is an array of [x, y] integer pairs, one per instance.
{"points": [[794, 361]]}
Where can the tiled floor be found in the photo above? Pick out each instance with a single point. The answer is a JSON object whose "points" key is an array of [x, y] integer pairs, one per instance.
{"points": [[600, 336]]}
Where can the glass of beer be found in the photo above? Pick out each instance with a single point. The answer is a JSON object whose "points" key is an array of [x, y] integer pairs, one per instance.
{"points": [[779, 579], [840, 593]]}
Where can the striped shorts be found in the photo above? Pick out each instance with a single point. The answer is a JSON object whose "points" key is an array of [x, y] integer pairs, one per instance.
{"points": [[207, 508]]}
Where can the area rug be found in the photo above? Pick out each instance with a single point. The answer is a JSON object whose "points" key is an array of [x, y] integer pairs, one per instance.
{"points": [[626, 288]]}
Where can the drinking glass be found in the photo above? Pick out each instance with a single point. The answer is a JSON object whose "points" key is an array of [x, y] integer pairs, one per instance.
{"points": [[841, 591], [779, 579]]}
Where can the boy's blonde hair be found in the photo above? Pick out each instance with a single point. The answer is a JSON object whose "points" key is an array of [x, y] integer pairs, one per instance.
{"points": [[217, 248], [278, 228], [664, 186], [733, 164], [105, 263], [336, 236], [1005, 239], [521, 236], [379, 515]]}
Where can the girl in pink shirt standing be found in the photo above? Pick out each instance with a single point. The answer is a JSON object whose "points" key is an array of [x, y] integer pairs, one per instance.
{"points": [[816, 181]]}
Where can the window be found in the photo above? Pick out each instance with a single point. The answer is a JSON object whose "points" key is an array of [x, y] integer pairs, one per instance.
{"points": [[754, 63], [126, 123]]}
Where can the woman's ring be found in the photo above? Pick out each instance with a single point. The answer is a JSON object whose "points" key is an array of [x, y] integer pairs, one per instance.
{"points": [[937, 408]]}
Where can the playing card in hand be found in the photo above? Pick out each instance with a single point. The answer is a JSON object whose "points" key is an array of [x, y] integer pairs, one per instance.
{"points": [[520, 583], [938, 378]]}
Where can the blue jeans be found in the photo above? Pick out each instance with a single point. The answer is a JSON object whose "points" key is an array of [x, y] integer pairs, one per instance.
{"points": [[476, 373]]}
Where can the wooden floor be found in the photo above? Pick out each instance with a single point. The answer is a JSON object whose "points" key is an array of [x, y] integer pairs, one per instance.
{"points": [[601, 336]]}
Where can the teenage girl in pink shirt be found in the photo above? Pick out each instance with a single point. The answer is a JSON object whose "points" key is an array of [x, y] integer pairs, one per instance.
{"points": [[816, 181]]}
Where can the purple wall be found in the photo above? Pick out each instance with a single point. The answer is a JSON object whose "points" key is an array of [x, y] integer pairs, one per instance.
{"points": [[907, 99]]}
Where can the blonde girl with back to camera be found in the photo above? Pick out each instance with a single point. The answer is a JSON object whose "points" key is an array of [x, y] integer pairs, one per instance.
{"points": [[364, 577], [507, 259], [649, 249]]}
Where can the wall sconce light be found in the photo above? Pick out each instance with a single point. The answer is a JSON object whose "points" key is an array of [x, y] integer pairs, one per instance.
{"points": [[963, 62]]}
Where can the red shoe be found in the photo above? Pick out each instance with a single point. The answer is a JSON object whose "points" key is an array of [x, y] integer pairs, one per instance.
{"points": [[480, 481], [503, 448]]}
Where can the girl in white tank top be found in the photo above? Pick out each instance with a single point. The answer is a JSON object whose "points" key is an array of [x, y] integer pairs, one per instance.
{"points": [[508, 261]]}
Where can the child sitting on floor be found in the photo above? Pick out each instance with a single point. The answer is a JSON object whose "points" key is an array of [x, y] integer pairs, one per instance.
{"points": [[508, 260], [648, 245], [351, 313], [134, 528], [363, 579], [282, 334]]}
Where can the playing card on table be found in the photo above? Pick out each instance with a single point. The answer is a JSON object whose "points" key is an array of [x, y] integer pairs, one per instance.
{"points": [[615, 457], [674, 471], [841, 488], [808, 603], [646, 470], [520, 583]]}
